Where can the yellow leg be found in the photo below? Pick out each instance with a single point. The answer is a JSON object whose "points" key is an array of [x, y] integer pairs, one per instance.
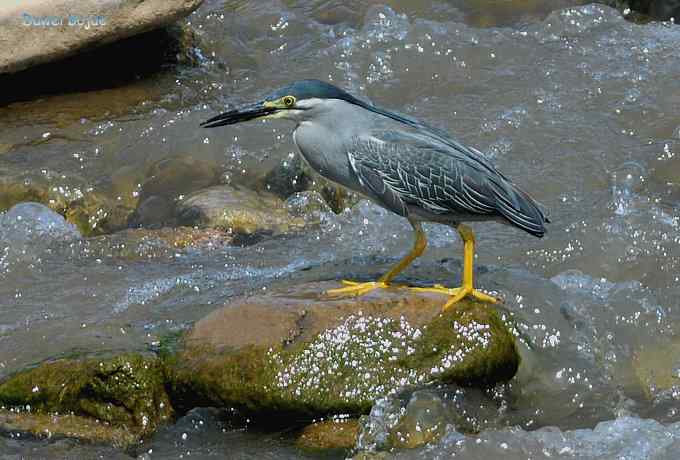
{"points": [[467, 289], [354, 288]]}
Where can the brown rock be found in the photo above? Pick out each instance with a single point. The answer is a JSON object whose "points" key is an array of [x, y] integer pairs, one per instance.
{"points": [[126, 391], [237, 211], [70, 426], [167, 181], [329, 434], [300, 312], [657, 367], [293, 351], [52, 34]]}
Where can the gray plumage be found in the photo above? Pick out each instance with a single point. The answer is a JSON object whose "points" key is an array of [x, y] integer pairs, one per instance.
{"points": [[449, 182], [406, 166]]}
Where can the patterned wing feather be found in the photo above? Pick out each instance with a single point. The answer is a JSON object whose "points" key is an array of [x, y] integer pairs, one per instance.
{"points": [[410, 169]]}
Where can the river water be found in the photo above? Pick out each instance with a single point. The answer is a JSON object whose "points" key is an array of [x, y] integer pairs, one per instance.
{"points": [[577, 105]]}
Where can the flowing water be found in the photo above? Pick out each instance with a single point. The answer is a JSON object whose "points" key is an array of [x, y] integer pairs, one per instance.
{"points": [[577, 105]]}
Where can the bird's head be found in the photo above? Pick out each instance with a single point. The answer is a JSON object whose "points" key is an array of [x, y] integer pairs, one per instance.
{"points": [[297, 101]]}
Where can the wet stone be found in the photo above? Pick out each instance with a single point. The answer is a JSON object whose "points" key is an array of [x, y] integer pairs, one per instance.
{"points": [[657, 369], [125, 184], [27, 229], [92, 212], [294, 176], [153, 212], [425, 421], [66, 425], [645, 10], [57, 193], [308, 204], [287, 178], [96, 214], [236, 211], [413, 419], [336, 433], [34, 223], [17, 189], [292, 352], [167, 182], [126, 392], [47, 31]]}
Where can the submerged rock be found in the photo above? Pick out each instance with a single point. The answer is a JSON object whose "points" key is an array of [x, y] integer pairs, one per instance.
{"points": [[648, 9], [126, 392], [168, 181], [329, 434], [309, 205], [288, 177], [17, 189], [418, 418], [657, 368], [43, 31], [31, 223], [293, 352], [294, 176], [96, 214], [622, 438], [27, 229], [237, 211], [92, 212], [70, 426], [125, 185]]}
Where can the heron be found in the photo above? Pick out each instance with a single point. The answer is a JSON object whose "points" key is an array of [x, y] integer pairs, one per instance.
{"points": [[414, 170]]}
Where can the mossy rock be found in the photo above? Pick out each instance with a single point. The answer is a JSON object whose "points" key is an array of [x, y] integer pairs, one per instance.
{"points": [[290, 352], [425, 421], [179, 175], [70, 426], [237, 211], [166, 182], [92, 212], [125, 184], [126, 391], [22, 188], [329, 434], [656, 367], [95, 214]]}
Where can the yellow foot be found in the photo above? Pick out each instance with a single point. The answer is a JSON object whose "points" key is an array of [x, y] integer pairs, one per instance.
{"points": [[354, 288], [458, 294]]}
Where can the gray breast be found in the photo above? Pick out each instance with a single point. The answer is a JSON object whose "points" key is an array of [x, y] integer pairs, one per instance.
{"points": [[323, 143]]}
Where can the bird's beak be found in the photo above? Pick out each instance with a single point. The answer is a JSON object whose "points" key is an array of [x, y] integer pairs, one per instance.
{"points": [[244, 113]]}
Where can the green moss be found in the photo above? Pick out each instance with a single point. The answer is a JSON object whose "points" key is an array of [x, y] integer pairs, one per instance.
{"points": [[169, 344], [329, 434], [20, 189], [345, 368], [468, 345], [342, 369], [127, 390], [73, 426], [199, 376], [93, 213], [96, 214]]}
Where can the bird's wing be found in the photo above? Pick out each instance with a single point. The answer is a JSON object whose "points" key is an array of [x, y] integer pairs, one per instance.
{"points": [[404, 168]]}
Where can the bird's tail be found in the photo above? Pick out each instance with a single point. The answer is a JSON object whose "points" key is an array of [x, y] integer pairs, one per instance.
{"points": [[520, 209]]}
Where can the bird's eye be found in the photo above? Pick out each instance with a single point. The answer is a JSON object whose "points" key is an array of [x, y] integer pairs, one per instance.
{"points": [[288, 101]]}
